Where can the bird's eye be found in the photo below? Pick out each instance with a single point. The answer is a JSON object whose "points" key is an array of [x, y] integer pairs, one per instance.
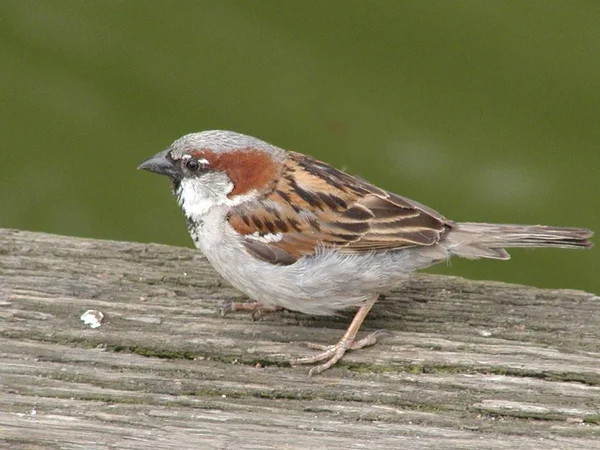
{"points": [[192, 165]]}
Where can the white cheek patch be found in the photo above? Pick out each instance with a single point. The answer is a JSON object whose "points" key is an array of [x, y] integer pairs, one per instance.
{"points": [[269, 237], [194, 205], [196, 198], [198, 195]]}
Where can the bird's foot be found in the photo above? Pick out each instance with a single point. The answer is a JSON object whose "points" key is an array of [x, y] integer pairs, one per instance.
{"points": [[257, 310], [331, 354]]}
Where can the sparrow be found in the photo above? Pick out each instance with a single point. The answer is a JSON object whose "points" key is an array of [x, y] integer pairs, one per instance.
{"points": [[295, 233]]}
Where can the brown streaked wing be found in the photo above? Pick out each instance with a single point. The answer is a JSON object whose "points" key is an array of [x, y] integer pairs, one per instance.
{"points": [[400, 222], [314, 204]]}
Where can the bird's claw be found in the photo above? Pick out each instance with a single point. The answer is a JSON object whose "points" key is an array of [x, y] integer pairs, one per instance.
{"points": [[331, 354], [257, 310]]}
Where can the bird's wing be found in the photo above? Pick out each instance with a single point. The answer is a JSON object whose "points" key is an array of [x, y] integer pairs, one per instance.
{"points": [[314, 205]]}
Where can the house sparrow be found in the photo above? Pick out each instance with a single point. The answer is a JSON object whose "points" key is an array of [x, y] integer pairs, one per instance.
{"points": [[293, 232]]}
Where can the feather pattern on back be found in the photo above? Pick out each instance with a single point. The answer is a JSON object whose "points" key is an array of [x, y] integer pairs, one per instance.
{"points": [[314, 205]]}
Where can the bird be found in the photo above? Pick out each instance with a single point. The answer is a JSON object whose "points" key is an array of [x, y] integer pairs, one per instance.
{"points": [[295, 233]]}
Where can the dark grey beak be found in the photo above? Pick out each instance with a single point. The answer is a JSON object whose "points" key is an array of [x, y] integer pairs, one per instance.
{"points": [[160, 163]]}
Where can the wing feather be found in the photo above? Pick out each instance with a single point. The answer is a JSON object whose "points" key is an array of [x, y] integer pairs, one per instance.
{"points": [[314, 205]]}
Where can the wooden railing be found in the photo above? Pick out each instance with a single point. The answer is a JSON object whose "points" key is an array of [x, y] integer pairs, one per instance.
{"points": [[469, 364]]}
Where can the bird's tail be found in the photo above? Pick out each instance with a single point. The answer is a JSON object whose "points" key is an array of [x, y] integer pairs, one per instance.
{"points": [[487, 240]]}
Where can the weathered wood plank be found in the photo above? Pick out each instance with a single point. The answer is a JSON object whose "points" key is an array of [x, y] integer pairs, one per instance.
{"points": [[469, 365]]}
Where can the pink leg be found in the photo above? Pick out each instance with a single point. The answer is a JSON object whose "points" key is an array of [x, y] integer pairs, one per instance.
{"points": [[333, 353]]}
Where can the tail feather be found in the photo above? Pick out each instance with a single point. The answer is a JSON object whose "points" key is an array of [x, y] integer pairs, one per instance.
{"points": [[487, 240]]}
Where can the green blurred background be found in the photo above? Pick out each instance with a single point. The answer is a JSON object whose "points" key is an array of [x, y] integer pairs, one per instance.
{"points": [[485, 111]]}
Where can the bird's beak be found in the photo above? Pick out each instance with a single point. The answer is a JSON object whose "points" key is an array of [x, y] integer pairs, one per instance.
{"points": [[160, 163]]}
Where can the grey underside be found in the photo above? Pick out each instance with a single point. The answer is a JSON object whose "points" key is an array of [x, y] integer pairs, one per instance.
{"points": [[331, 280], [321, 284]]}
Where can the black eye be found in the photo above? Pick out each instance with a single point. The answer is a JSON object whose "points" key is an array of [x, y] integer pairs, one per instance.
{"points": [[192, 165]]}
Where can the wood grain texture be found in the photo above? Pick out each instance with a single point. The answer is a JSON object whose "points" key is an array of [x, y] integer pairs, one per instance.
{"points": [[469, 365]]}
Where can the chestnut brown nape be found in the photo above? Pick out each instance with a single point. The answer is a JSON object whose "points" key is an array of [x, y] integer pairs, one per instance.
{"points": [[248, 169]]}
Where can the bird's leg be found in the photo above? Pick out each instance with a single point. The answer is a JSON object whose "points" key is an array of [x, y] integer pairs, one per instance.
{"points": [[256, 309], [333, 353]]}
